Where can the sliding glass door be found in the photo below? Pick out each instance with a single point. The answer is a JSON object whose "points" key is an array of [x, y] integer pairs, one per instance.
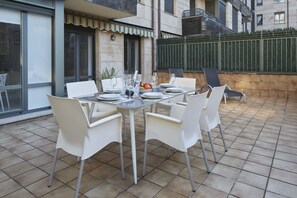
{"points": [[131, 54], [10, 66], [79, 57]]}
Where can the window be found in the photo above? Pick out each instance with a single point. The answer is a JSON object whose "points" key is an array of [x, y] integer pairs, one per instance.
{"points": [[279, 1], [169, 6], [235, 19], [260, 19], [279, 17], [259, 2]]}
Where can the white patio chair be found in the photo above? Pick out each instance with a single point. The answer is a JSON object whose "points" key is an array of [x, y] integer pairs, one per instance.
{"points": [[179, 82], [119, 86], [85, 88], [77, 136], [2, 89], [107, 86], [180, 130], [210, 117]]}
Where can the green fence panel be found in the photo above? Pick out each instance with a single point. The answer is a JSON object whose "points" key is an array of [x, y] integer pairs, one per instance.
{"points": [[258, 52]]}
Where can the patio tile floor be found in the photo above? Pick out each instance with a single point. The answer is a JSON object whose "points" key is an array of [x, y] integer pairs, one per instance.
{"points": [[261, 160]]}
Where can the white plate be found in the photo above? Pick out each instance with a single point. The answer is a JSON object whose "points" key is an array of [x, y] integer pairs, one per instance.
{"points": [[111, 91], [166, 85], [109, 97], [174, 90], [152, 95]]}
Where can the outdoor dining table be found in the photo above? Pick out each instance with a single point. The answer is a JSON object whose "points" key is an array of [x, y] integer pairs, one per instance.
{"points": [[132, 105]]}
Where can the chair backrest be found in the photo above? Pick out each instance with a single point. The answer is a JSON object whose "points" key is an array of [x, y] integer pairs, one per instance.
{"points": [[3, 79], [214, 101], [192, 114], [212, 77], [82, 88], [178, 72], [106, 84], [185, 82], [71, 120]]}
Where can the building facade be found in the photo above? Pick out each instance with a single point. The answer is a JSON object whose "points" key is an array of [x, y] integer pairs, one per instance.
{"points": [[45, 44], [275, 14]]}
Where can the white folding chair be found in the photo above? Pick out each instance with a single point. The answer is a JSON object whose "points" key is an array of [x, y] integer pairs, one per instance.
{"points": [[180, 130], [107, 86], [77, 136], [210, 117]]}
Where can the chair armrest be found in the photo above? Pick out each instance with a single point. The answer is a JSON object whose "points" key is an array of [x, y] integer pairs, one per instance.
{"points": [[182, 103], [103, 120], [227, 86], [164, 117], [207, 86], [185, 104]]}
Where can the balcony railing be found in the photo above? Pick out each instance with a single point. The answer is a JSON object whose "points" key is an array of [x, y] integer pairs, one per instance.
{"points": [[208, 23]]}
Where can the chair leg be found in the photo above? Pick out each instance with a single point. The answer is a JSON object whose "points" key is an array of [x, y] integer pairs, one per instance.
{"points": [[190, 171], [144, 121], [82, 163], [204, 156], [244, 97], [1, 101], [53, 168], [122, 161], [124, 122], [225, 98], [212, 148], [7, 100], [144, 158], [226, 149]]}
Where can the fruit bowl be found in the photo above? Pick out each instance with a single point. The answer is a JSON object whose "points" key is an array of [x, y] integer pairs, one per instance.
{"points": [[145, 87]]}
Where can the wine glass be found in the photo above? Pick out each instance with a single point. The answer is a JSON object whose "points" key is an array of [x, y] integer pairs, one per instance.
{"points": [[172, 78], [129, 84], [113, 82], [155, 79]]}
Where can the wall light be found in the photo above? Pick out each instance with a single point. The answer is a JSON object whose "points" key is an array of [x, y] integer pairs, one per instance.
{"points": [[112, 37]]}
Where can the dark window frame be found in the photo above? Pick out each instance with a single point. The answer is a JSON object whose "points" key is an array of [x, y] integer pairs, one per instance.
{"points": [[279, 21], [261, 21], [259, 2], [169, 6], [278, 1]]}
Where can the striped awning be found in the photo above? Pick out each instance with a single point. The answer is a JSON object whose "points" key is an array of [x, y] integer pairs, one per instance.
{"points": [[107, 25]]}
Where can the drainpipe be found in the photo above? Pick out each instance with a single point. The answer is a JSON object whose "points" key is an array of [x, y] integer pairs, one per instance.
{"points": [[288, 14], [156, 28], [159, 19], [153, 40]]}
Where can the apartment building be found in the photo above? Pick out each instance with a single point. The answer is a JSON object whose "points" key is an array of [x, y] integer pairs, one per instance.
{"points": [[275, 14], [217, 16]]}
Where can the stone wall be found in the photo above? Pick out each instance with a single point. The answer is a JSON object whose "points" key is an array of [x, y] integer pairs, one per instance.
{"points": [[266, 85]]}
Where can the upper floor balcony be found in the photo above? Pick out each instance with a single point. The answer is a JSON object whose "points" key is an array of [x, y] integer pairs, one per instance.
{"points": [[198, 21], [242, 6], [106, 9]]}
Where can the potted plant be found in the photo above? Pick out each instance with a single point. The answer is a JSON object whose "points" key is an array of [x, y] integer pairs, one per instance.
{"points": [[107, 73]]}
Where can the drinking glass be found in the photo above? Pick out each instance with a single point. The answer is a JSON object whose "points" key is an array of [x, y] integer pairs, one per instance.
{"points": [[113, 82], [155, 79], [172, 78], [129, 84]]}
